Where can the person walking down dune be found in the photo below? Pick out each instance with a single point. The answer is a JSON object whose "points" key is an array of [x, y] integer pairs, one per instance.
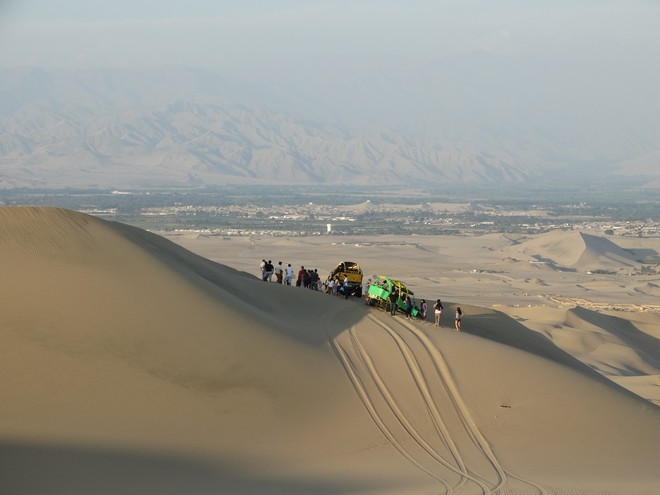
{"points": [[437, 309], [457, 320]]}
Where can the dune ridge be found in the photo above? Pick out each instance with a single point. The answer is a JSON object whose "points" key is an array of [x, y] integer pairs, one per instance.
{"points": [[577, 250], [33, 231], [156, 367]]}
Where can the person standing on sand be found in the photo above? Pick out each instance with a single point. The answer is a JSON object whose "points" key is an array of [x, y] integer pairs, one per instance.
{"points": [[394, 295], [268, 271], [300, 276], [437, 307], [422, 310], [457, 321], [278, 272], [288, 274], [262, 265], [408, 302]]}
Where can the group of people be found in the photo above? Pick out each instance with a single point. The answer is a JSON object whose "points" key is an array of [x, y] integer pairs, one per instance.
{"points": [[423, 308], [306, 278], [310, 279], [283, 275], [437, 309], [407, 303], [338, 287], [421, 311]]}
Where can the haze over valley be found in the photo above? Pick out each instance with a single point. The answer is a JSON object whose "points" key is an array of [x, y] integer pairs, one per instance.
{"points": [[183, 127], [331, 92]]}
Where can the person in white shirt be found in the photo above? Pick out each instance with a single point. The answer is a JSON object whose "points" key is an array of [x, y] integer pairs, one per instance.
{"points": [[288, 274], [437, 307], [279, 272]]}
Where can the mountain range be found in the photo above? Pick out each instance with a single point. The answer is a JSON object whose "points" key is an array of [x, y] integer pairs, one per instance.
{"points": [[182, 127]]}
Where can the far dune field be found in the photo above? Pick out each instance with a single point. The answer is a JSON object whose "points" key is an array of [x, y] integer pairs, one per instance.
{"points": [[133, 365]]}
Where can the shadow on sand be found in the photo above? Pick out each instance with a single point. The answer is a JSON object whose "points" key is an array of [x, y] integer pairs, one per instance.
{"points": [[33, 469]]}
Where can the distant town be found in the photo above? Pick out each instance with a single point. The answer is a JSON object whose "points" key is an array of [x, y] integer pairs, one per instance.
{"points": [[302, 212], [320, 219]]}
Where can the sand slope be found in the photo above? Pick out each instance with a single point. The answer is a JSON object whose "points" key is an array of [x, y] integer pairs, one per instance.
{"points": [[134, 366], [577, 250]]}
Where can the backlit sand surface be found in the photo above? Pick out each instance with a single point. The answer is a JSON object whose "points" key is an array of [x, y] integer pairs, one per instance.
{"points": [[133, 366]]}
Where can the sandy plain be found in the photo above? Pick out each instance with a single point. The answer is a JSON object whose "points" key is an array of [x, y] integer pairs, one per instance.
{"points": [[132, 365]]}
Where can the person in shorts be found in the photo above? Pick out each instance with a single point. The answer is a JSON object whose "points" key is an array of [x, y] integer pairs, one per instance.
{"points": [[457, 320], [437, 309]]}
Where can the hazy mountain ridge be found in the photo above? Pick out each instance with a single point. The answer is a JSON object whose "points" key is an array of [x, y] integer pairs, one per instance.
{"points": [[181, 127]]}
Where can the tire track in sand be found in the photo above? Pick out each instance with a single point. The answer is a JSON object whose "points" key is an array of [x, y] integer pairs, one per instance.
{"points": [[438, 423], [442, 368], [452, 393], [393, 422], [354, 357], [352, 371]]}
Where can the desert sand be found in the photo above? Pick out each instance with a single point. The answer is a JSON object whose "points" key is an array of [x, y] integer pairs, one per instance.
{"points": [[133, 364]]}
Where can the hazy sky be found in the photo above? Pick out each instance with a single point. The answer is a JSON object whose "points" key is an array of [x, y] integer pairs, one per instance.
{"points": [[237, 34], [581, 70]]}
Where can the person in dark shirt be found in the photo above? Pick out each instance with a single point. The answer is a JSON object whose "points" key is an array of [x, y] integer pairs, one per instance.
{"points": [[268, 271], [409, 305], [394, 295], [422, 310]]}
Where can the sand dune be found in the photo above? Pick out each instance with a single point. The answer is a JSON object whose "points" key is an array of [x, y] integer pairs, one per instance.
{"points": [[132, 365], [622, 346], [614, 345], [577, 250], [649, 288]]}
